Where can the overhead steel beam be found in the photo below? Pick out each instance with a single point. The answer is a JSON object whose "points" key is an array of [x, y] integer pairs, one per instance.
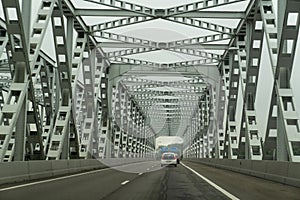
{"points": [[192, 14], [79, 24], [201, 24], [182, 20], [214, 14], [129, 52], [119, 23], [200, 5], [187, 46], [126, 39], [107, 13], [199, 40], [240, 26], [164, 65], [192, 52], [123, 5], [162, 45]]}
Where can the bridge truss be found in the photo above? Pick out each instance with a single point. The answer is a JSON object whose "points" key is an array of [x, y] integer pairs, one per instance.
{"points": [[96, 98]]}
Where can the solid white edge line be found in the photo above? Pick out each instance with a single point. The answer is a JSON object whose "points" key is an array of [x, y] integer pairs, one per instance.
{"points": [[53, 179], [231, 196], [63, 177], [123, 183]]}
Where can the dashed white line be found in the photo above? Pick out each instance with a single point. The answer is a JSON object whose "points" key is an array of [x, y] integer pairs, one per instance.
{"points": [[148, 169], [140, 174], [51, 180], [231, 196], [123, 183]]}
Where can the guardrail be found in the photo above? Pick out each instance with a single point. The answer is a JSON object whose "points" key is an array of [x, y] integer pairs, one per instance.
{"points": [[282, 172], [19, 171]]}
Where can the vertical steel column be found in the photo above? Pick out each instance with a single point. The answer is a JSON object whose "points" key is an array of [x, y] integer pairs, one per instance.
{"points": [[22, 80], [59, 142], [281, 39], [231, 138], [288, 137], [220, 120], [269, 24], [104, 109], [250, 142]]}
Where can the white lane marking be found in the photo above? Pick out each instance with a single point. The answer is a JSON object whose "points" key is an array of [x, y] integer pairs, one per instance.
{"points": [[148, 169], [51, 180], [140, 174], [65, 177], [123, 183], [231, 196]]}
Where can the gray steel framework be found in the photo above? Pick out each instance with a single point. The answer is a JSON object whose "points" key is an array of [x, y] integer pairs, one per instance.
{"points": [[89, 103]]}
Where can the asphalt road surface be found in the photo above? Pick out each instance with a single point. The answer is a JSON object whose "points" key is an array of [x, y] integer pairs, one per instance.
{"points": [[148, 180]]}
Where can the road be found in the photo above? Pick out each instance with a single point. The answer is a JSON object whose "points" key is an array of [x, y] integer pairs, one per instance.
{"points": [[148, 180]]}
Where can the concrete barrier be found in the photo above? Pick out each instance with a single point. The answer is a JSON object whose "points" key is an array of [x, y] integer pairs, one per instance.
{"points": [[59, 167], [39, 169], [293, 174], [258, 168], [12, 172], [282, 172]]}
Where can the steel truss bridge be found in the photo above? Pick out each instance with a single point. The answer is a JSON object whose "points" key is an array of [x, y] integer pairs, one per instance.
{"points": [[95, 98]]}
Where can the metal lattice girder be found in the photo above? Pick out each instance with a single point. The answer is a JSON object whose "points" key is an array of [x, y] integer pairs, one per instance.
{"points": [[39, 29], [195, 53], [78, 53], [163, 45], [288, 145], [200, 5], [179, 50], [22, 75], [97, 119], [35, 42], [123, 5], [192, 14], [249, 80], [46, 79], [270, 27], [220, 120], [129, 52], [1, 98], [194, 63], [3, 40], [198, 40], [134, 61], [89, 128], [281, 52], [119, 23], [59, 147], [201, 24], [206, 46], [117, 129], [105, 113], [270, 143], [167, 100], [231, 128], [126, 39], [164, 65], [190, 92]]}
